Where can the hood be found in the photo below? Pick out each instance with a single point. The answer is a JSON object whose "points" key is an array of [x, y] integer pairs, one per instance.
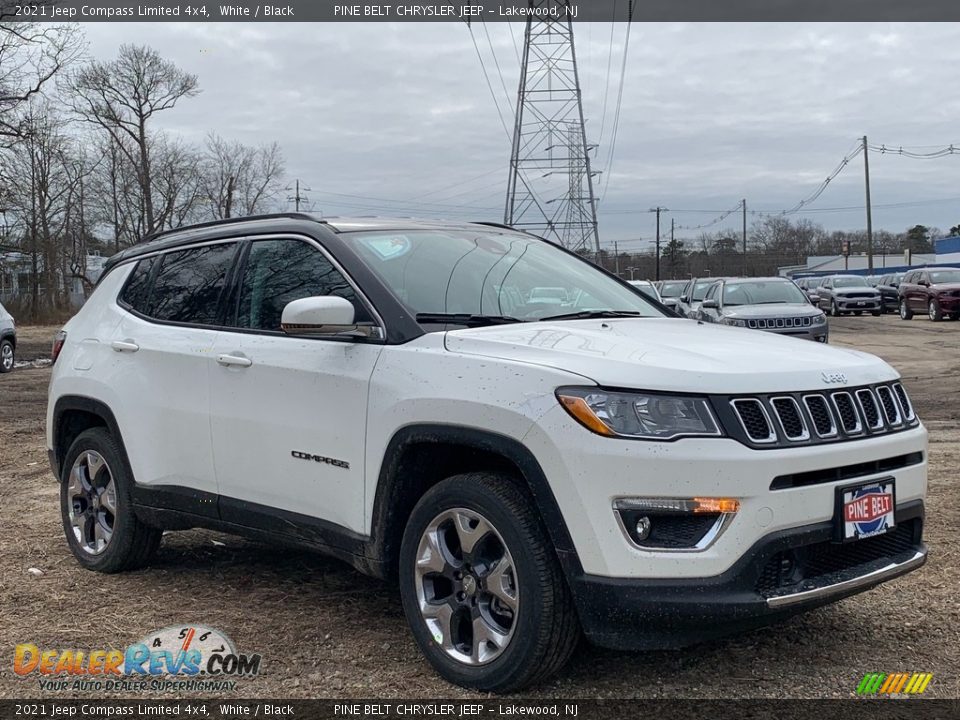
{"points": [[945, 287], [673, 354], [771, 310], [849, 290]]}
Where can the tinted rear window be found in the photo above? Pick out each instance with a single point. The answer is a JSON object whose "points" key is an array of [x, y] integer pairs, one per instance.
{"points": [[136, 293], [188, 284]]}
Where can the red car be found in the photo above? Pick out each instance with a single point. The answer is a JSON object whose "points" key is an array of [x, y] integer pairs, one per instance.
{"points": [[935, 291]]}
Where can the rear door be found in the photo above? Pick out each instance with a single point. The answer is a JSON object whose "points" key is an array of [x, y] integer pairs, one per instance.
{"points": [[162, 348], [288, 414]]}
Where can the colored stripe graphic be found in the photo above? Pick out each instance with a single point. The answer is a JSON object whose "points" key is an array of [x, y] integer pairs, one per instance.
{"points": [[894, 683]]}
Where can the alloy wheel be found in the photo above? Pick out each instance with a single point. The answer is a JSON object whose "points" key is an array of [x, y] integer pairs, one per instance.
{"points": [[6, 357], [467, 588], [92, 498]]}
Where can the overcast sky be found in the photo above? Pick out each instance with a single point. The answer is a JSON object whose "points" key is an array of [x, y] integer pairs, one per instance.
{"points": [[398, 119]]}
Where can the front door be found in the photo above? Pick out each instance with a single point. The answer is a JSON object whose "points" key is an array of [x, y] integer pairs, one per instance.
{"points": [[288, 414]]}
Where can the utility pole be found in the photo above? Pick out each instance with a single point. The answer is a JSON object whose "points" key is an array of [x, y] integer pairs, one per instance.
{"points": [[744, 205], [866, 178], [616, 258], [658, 210], [298, 197], [549, 137]]}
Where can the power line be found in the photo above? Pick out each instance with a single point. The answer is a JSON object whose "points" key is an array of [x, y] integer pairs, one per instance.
{"points": [[720, 218], [904, 152], [616, 116], [823, 186], [606, 86]]}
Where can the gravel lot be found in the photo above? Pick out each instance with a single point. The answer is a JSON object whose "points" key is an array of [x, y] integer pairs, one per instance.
{"points": [[325, 631]]}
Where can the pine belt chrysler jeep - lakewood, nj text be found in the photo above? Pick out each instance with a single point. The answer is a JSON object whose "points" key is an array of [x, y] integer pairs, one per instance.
{"points": [[399, 394]]}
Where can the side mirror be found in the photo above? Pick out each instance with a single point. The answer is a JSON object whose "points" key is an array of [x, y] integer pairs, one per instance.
{"points": [[923, 282], [814, 299], [710, 304], [323, 315], [684, 299]]}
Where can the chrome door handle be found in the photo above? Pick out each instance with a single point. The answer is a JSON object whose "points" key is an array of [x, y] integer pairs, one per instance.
{"points": [[234, 361], [124, 346]]}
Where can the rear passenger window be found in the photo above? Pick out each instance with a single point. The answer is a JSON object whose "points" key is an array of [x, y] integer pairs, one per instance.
{"points": [[281, 271], [136, 293], [188, 284]]}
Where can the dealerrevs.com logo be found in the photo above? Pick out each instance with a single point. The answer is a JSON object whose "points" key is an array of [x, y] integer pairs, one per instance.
{"points": [[191, 657]]}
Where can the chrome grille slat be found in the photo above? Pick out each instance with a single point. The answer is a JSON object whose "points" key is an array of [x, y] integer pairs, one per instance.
{"points": [[819, 408], [905, 405], [790, 418], [846, 412], [891, 409], [870, 408], [755, 420]]}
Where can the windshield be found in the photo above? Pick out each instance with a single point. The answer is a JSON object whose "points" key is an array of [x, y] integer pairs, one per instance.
{"points": [[945, 276], [673, 289], [849, 282], [477, 272], [646, 288], [701, 287], [762, 293]]}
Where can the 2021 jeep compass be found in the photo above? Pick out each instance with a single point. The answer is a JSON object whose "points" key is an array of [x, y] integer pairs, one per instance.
{"points": [[398, 394]]}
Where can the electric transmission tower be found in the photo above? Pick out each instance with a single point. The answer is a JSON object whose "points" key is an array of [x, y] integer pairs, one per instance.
{"points": [[550, 188]]}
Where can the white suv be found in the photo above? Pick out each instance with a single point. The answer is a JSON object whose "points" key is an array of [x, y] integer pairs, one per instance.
{"points": [[395, 393]]}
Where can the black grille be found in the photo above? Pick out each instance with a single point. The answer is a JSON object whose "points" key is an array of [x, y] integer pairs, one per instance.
{"points": [[846, 472], [669, 531], [788, 570], [820, 413], [870, 410], [754, 420], [789, 413], [849, 420], [904, 401], [889, 405], [858, 295]]}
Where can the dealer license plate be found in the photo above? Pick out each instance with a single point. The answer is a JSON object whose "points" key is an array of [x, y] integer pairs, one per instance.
{"points": [[865, 510], [861, 303]]}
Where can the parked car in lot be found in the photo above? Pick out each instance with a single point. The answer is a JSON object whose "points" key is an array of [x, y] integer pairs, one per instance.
{"points": [[935, 291], [8, 341], [772, 304], [888, 287], [393, 393], [809, 287], [647, 288], [842, 294], [693, 294], [670, 292]]}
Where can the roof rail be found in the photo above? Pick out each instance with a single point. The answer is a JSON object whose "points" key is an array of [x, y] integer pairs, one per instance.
{"points": [[228, 221]]}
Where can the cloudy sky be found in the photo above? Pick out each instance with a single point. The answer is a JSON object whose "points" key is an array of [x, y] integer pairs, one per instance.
{"points": [[398, 118]]}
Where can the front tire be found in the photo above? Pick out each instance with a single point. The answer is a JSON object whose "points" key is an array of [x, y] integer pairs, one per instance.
{"points": [[482, 588], [102, 530], [934, 311], [905, 312], [7, 356], [834, 309]]}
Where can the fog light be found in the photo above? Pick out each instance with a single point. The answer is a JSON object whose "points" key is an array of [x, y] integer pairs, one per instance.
{"points": [[643, 528]]}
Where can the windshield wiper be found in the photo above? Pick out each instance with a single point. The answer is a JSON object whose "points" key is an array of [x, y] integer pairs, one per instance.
{"points": [[590, 314], [465, 319]]}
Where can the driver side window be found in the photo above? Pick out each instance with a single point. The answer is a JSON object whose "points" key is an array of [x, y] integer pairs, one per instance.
{"points": [[280, 271]]}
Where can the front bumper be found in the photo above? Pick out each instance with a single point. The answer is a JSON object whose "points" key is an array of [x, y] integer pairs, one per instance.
{"points": [[660, 613], [949, 303], [818, 333], [857, 304]]}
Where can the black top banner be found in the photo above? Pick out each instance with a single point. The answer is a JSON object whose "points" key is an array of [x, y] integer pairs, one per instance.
{"points": [[473, 11]]}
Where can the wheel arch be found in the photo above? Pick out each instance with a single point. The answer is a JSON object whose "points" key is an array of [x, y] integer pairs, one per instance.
{"points": [[419, 456], [72, 415]]}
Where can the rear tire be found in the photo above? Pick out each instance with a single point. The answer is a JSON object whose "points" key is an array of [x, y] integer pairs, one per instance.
{"points": [[7, 356], [934, 311], [96, 505], [876, 313], [472, 633], [905, 312]]}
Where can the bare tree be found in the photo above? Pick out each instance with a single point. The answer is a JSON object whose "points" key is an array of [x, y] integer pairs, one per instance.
{"points": [[239, 179], [31, 55], [122, 96]]}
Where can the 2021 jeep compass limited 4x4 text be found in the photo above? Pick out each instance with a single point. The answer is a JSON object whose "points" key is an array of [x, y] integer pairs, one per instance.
{"points": [[398, 394]]}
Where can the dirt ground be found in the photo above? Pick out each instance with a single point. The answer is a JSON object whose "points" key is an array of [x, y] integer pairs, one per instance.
{"points": [[325, 631]]}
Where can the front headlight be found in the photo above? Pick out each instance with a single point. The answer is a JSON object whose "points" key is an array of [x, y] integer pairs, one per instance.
{"points": [[649, 416], [819, 319], [733, 321]]}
